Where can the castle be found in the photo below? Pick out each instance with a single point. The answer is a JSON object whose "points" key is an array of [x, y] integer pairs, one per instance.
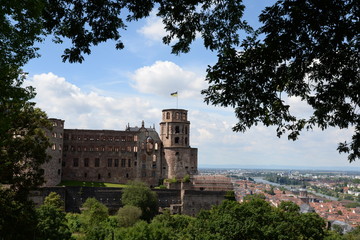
{"points": [[137, 153]]}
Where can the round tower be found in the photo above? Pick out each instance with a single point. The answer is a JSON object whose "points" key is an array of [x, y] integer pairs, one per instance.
{"points": [[180, 158]]}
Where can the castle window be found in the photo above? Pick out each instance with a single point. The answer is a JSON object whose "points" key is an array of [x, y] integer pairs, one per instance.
{"points": [[135, 149], [154, 158], [75, 162], [186, 140], [154, 165], [104, 138], [91, 138], [177, 129], [176, 140], [123, 162], [123, 149], [144, 166], [96, 149], [99, 176], [85, 138], [53, 147], [153, 174], [59, 171], [135, 138], [186, 130], [54, 124], [177, 115], [85, 149], [127, 175], [97, 162], [103, 149], [184, 116], [117, 139], [60, 135], [135, 163], [79, 138], [79, 149], [86, 162], [91, 149], [129, 138], [167, 115], [60, 147], [116, 163], [123, 138], [66, 148], [63, 163], [129, 162], [85, 175], [110, 162], [54, 134], [177, 154], [156, 147], [109, 175], [128, 148], [59, 160], [116, 149]]}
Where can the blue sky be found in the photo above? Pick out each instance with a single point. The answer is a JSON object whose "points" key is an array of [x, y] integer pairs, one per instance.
{"points": [[112, 88]]}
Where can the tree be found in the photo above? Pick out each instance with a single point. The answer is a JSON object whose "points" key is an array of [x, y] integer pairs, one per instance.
{"points": [[54, 199], [51, 224], [305, 49], [94, 216], [140, 195], [128, 215]]}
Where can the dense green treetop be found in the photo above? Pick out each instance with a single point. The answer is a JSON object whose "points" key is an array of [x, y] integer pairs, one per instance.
{"points": [[138, 194]]}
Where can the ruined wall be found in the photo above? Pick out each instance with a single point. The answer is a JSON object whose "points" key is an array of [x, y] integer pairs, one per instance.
{"points": [[193, 200], [112, 156]]}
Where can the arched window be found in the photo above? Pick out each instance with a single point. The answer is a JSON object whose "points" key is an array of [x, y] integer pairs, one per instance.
{"points": [[176, 140], [167, 115]]}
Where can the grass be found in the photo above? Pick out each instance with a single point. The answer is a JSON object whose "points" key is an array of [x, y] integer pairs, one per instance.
{"points": [[90, 184]]}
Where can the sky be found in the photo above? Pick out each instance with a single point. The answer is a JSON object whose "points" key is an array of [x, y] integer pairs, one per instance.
{"points": [[113, 88]]}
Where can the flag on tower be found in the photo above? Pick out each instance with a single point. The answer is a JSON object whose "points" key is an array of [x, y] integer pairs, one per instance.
{"points": [[174, 94]]}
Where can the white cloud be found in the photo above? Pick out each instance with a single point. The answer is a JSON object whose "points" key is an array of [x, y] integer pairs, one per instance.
{"points": [[154, 28], [164, 77], [61, 99]]}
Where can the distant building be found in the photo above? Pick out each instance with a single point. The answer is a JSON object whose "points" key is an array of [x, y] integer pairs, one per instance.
{"points": [[137, 153]]}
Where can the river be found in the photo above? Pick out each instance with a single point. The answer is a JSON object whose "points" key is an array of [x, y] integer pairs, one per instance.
{"points": [[291, 187]]}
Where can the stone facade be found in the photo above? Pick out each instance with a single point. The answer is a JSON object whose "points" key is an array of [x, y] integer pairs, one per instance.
{"points": [[119, 156]]}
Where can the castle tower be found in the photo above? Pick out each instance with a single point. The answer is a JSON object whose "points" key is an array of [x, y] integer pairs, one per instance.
{"points": [[53, 168], [179, 158]]}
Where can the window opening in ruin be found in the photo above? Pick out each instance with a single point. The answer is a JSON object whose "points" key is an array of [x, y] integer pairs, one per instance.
{"points": [[60, 135], [177, 154], [135, 163], [177, 115], [117, 139], [59, 160], [127, 175], [177, 129], [123, 162], [59, 171], [156, 147], [54, 134], [110, 162], [184, 116], [60, 147], [135, 138], [123, 138], [129, 162], [63, 163], [85, 175], [135, 149], [167, 115], [154, 158], [116, 163], [79, 149], [99, 176], [186, 130], [176, 140], [109, 175], [186, 140], [86, 162], [53, 147], [97, 162], [75, 162]]}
